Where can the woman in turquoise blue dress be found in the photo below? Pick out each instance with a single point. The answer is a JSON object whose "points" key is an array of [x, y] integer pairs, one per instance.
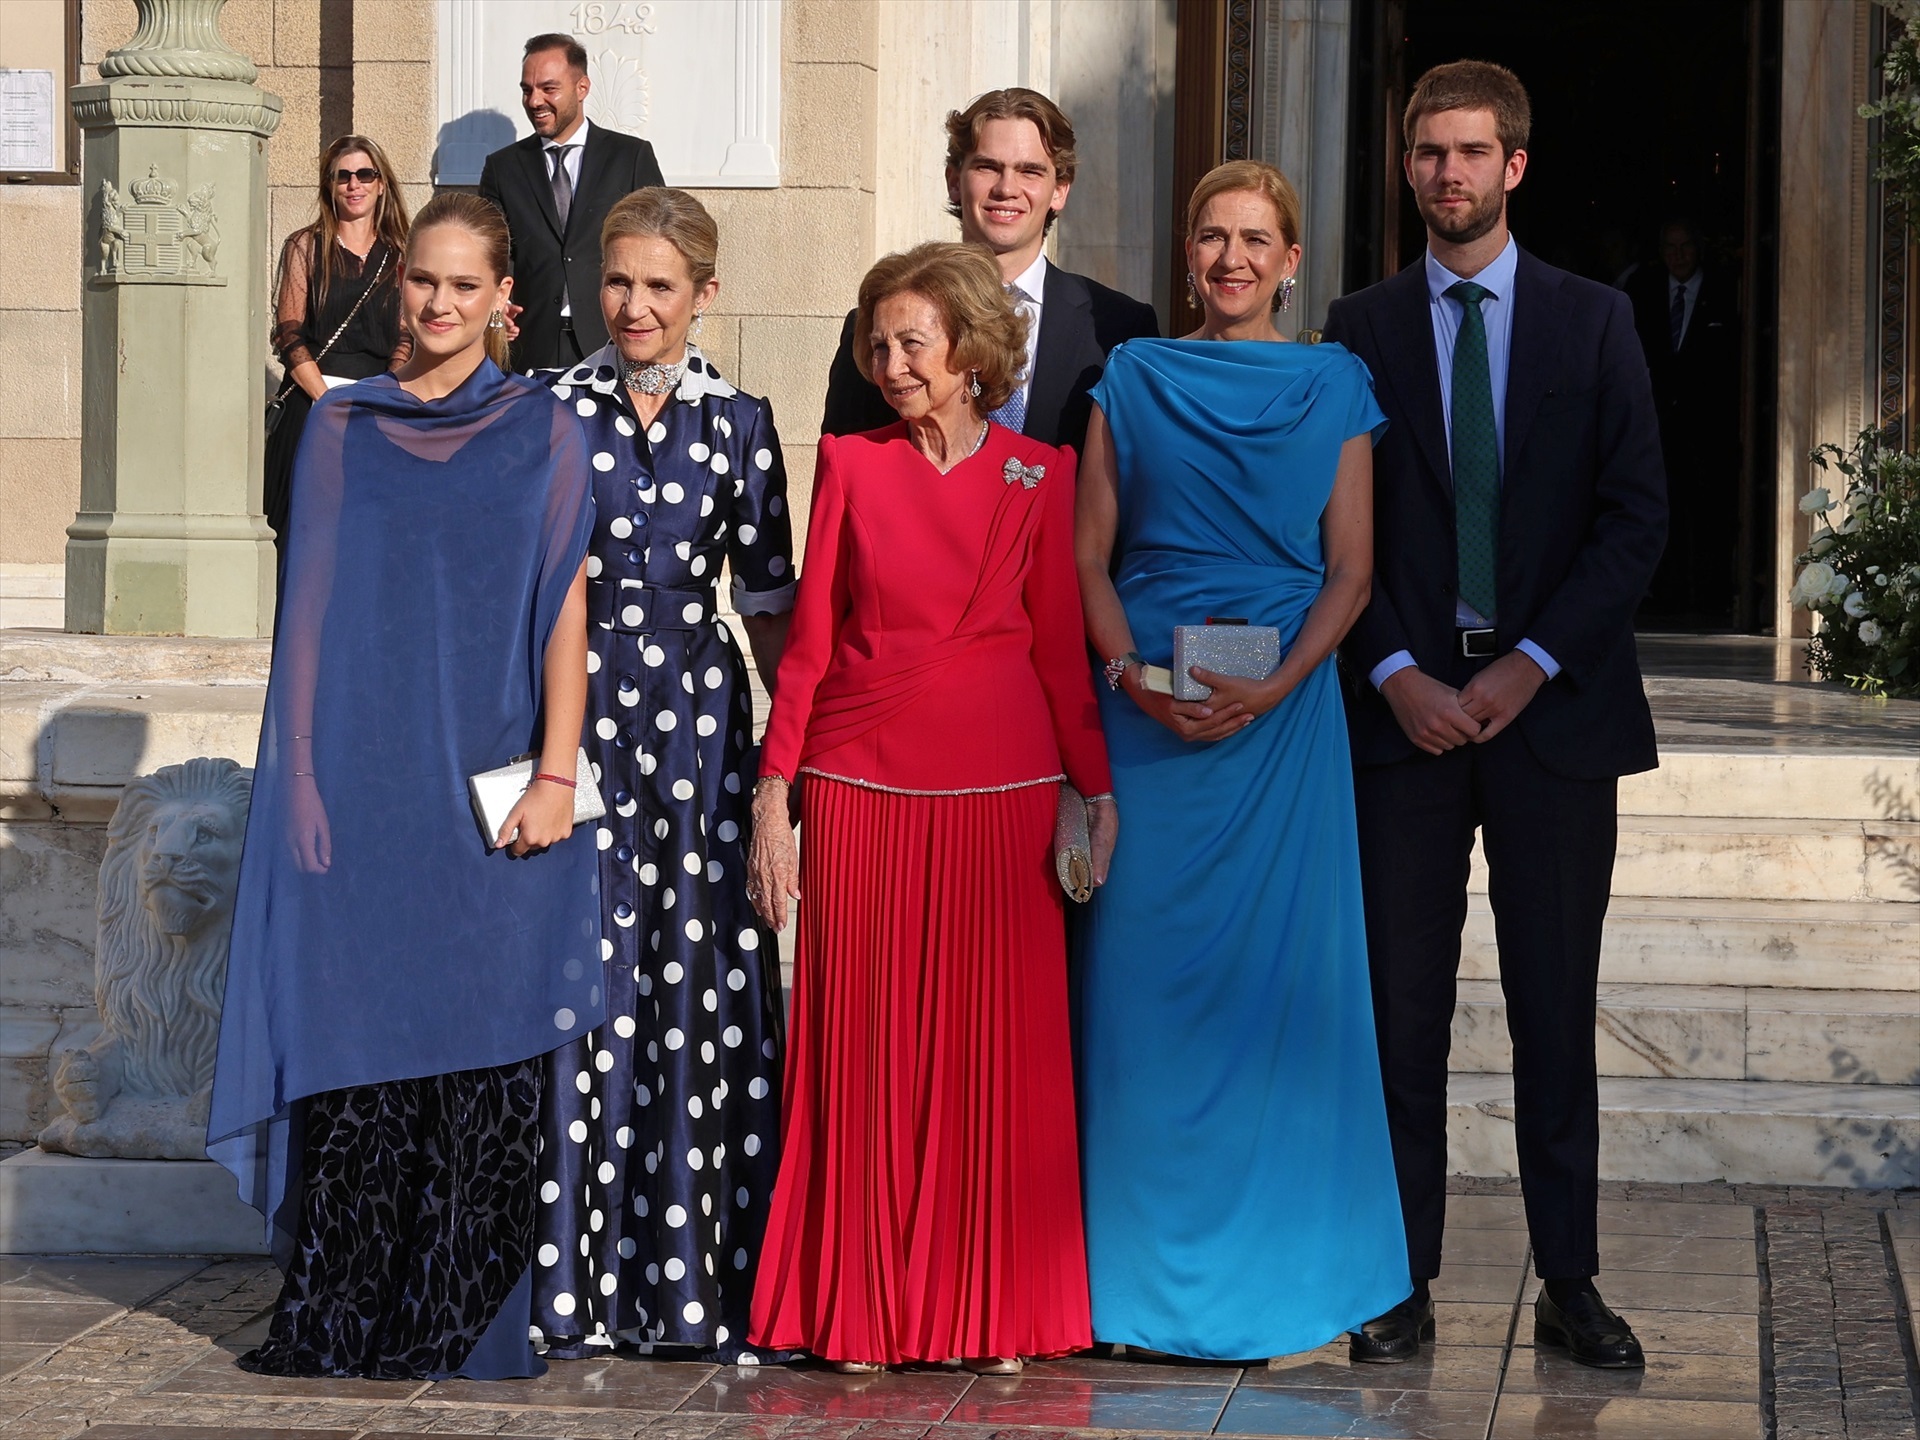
{"points": [[1239, 1182]]}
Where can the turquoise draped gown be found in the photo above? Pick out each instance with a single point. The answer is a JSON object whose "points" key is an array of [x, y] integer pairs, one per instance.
{"points": [[1240, 1195]]}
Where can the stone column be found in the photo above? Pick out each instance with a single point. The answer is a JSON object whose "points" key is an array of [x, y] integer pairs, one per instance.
{"points": [[170, 538]]}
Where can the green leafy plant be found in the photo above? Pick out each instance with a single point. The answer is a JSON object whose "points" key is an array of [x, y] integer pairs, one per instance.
{"points": [[1897, 155], [1861, 572]]}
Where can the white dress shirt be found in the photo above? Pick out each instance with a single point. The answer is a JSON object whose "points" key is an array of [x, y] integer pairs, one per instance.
{"points": [[1497, 311], [1032, 283], [578, 140]]}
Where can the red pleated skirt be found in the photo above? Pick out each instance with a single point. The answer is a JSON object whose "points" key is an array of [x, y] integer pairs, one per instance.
{"points": [[928, 1205]]}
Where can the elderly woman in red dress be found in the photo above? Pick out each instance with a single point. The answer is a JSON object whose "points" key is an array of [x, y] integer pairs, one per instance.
{"points": [[934, 692]]}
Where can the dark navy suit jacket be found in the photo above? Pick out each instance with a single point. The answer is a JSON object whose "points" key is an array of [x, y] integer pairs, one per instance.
{"points": [[1583, 514], [552, 266], [1081, 321]]}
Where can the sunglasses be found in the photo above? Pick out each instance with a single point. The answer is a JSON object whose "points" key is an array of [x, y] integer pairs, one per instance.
{"points": [[365, 176]]}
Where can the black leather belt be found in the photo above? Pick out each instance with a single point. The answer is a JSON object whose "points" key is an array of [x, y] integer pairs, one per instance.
{"points": [[1476, 644], [639, 609]]}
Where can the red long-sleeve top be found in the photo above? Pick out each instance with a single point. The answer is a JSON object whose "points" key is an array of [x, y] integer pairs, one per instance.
{"points": [[937, 644]]}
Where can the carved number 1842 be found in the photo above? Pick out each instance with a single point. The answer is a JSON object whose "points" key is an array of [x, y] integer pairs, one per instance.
{"points": [[597, 17]]}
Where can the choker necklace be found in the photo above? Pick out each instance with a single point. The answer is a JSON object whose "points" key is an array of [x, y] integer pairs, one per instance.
{"points": [[651, 379]]}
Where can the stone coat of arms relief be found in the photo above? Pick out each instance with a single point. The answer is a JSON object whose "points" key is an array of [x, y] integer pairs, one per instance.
{"points": [[144, 236]]}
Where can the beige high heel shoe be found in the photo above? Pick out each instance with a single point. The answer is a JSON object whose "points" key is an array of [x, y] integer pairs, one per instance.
{"points": [[995, 1364]]}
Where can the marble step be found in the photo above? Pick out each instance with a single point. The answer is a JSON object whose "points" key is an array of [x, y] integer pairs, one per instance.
{"points": [[1743, 1131], [1780, 783], [1678, 857], [1810, 944], [1720, 1032]]}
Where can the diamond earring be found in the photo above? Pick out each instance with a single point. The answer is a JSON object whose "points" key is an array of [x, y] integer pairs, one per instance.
{"points": [[496, 321], [1193, 295], [973, 388], [1285, 299], [698, 317]]}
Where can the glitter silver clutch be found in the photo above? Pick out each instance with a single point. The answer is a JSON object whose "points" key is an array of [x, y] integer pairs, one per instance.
{"points": [[1072, 845], [1249, 652], [494, 793]]}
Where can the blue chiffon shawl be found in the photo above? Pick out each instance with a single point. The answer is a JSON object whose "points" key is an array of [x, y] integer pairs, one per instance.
{"points": [[431, 547]]}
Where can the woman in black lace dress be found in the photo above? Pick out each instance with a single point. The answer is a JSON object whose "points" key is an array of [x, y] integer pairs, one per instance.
{"points": [[351, 250]]}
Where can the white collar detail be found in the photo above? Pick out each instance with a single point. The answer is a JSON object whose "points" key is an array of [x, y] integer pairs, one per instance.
{"points": [[1032, 281], [699, 380]]}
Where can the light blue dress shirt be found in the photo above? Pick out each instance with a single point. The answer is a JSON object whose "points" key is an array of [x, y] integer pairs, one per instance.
{"points": [[1497, 310]]}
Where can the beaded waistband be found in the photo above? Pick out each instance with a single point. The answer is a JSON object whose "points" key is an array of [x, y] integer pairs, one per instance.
{"points": [[963, 790]]}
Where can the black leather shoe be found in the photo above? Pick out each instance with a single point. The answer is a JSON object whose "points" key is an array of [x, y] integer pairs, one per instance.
{"points": [[1588, 1331], [1395, 1336]]}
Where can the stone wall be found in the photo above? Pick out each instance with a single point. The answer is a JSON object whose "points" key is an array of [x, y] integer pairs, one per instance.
{"points": [[791, 258], [1109, 64], [866, 85], [338, 65]]}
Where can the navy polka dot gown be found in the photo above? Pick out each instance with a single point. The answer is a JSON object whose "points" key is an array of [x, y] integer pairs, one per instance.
{"points": [[660, 1132]]}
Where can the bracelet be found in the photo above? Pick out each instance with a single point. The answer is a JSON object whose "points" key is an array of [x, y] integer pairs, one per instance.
{"points": [[308, 773], [557, 780], [1106, 796], [772, 778], [1117, 667]]}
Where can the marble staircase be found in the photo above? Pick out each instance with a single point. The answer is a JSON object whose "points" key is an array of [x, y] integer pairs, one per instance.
{"points": [[1759, 1016]]}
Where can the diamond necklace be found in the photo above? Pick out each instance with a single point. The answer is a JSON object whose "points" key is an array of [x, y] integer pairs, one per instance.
{"points": [[651, 379]]}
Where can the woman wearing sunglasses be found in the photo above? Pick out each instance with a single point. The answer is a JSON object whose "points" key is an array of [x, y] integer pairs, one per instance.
{"points": [[337, 316]]}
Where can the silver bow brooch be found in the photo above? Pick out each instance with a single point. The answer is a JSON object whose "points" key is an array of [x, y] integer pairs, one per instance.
{"points": [[1027, 475]]}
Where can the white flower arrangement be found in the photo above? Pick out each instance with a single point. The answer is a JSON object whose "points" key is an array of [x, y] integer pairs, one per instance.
{"points": [[1869, 633]]}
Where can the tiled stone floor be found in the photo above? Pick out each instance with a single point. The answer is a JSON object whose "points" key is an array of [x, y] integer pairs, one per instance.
{"points": [[1764, 1312]]}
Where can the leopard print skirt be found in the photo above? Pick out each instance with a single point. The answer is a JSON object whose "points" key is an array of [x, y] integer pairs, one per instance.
{"points": [[416, 1224]]}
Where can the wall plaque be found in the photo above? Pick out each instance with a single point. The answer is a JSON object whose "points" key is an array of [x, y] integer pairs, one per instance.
{"points": [[700, 79]]}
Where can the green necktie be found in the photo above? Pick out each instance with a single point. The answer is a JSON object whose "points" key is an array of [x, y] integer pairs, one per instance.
{"points": [[1476, 453]]}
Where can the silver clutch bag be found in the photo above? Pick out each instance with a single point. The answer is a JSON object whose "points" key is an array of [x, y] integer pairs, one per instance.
{"points": [[494, 793], [1248, 652], [1072, 848]]}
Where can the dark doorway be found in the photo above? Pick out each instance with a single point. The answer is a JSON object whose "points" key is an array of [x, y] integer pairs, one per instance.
{"points": [[1645, 113]]}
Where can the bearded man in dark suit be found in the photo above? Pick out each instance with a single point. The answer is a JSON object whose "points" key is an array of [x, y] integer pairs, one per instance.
{"points": [[1519, 511], [1010, 165], [555, 188]]}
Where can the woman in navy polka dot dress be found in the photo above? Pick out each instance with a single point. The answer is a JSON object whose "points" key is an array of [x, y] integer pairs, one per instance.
{"points": [[660, 1132]]}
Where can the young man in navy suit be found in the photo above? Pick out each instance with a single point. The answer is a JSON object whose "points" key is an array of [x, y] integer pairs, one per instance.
{"points": [[1010, 165], [1519, 512]]}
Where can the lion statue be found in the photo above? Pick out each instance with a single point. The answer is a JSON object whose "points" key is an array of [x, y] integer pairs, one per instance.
{"points": [[142, 1089]]}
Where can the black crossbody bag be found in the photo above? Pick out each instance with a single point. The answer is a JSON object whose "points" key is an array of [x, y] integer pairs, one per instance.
{"points": [[277, 406]]}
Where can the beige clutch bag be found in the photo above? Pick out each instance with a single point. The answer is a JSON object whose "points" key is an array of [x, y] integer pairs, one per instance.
{"points": [[1072, 849], [494, 793]]}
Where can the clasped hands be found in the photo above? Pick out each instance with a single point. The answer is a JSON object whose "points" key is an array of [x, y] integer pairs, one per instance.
{"points": [[1234, 704], [1438, 718]]}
